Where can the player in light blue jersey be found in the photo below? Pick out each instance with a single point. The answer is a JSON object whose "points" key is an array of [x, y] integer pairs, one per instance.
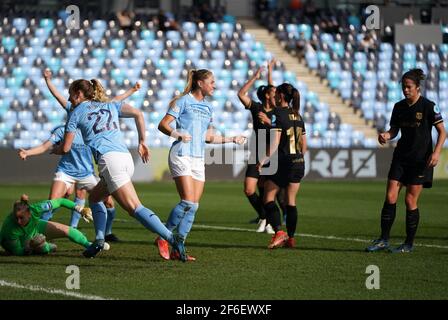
{"points": [[193, 116], [98, 123], [100, 96], [76, 167]]}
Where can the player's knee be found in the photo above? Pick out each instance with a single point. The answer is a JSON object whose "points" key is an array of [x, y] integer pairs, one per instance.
{"points": [[410, 201], [249, 191], [391, 198]]}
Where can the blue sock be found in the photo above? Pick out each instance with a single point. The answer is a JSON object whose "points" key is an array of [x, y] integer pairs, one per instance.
{"points": [[74, 220], [152, 222], [48, 215], [110, 219], [187, 222], [178, 213], [99, 214]]}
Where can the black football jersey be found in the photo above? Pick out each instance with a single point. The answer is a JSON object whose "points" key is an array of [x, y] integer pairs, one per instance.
{"points": [[261, 130], [292, 128], [415, 123]]}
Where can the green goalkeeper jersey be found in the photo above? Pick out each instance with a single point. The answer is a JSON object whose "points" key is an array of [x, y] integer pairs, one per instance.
{"points": [[13, 236]]}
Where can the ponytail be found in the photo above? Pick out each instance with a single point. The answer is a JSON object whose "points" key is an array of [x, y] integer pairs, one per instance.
{"points": [[295, 101], [99, 94], [187, 89], [192, 83]]}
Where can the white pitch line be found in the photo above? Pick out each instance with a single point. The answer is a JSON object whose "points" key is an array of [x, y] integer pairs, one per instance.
{"points": [[4, 283], [306, 235]]}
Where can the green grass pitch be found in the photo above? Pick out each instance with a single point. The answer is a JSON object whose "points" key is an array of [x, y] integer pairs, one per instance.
{"points": [[233, 262]]}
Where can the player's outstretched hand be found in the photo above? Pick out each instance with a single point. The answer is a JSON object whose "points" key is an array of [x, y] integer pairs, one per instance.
{"points": [[47, 73], [144, 152], [23, 154], [239, 139], [383, 137], [86, 213], [136, 86]]}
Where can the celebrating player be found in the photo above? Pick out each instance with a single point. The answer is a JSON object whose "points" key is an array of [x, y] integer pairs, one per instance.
{"points": [[24, 232], [290, 141], [98, 123], [414, 159], [261, 118], [193, 116]]}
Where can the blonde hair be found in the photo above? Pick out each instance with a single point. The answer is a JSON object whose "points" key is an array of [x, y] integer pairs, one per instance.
{"points": [[192, 83], [100, 93]]}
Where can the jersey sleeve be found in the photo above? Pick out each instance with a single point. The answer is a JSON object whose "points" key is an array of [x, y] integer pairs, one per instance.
{"points": [[117, 105], [177, 108], [435, 115], [57, 136], [37, 209], [302, 125], [394, 118]]}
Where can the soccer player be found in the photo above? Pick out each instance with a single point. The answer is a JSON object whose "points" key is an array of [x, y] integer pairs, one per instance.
{"points": [[290, 143], [98, 123], [74, 168], [413, 160], [24, 232], [193, 116], [261, 118], [100, 96]]}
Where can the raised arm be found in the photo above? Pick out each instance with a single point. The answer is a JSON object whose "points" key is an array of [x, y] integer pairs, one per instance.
{"points": [[242, 94], [44, 147], [59, 97], [270, 66], [128, 93], [128, 111]]}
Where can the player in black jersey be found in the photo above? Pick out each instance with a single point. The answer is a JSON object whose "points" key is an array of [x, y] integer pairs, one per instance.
{"points": [[289, 143], [413, 159], [261, 117]]}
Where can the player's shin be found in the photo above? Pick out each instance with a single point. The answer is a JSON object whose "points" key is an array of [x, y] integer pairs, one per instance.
{"points": [[99, 214]]}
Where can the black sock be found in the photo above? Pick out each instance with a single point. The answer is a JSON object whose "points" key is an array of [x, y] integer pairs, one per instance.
{"points": [[273, 215], [387, 219], [257, 204], [281, 202], [291, 220], [412, 218]]}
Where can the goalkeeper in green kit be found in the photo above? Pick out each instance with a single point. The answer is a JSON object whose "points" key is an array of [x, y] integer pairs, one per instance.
{"points": [[24, 233]]}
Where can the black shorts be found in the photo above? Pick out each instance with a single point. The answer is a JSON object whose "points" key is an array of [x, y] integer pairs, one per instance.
{"points": [[252, 172], [411, 174], [289, 171]]}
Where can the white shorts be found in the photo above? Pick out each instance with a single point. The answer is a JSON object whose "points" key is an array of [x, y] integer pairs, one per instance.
{"points": [[115, 169], [87, 183], [186, 166]]}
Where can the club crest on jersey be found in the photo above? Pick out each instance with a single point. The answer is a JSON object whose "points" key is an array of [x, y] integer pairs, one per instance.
{"points": [[419, 116], [175, 108], [436, 109], [273, 119]]}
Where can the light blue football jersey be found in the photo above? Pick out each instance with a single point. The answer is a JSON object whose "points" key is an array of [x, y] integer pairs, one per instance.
{"points": [[99, 126], [78, 163], [192, 117]]}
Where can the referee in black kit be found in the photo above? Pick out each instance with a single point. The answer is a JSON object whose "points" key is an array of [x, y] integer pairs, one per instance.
{"points": [[413, 160]]}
